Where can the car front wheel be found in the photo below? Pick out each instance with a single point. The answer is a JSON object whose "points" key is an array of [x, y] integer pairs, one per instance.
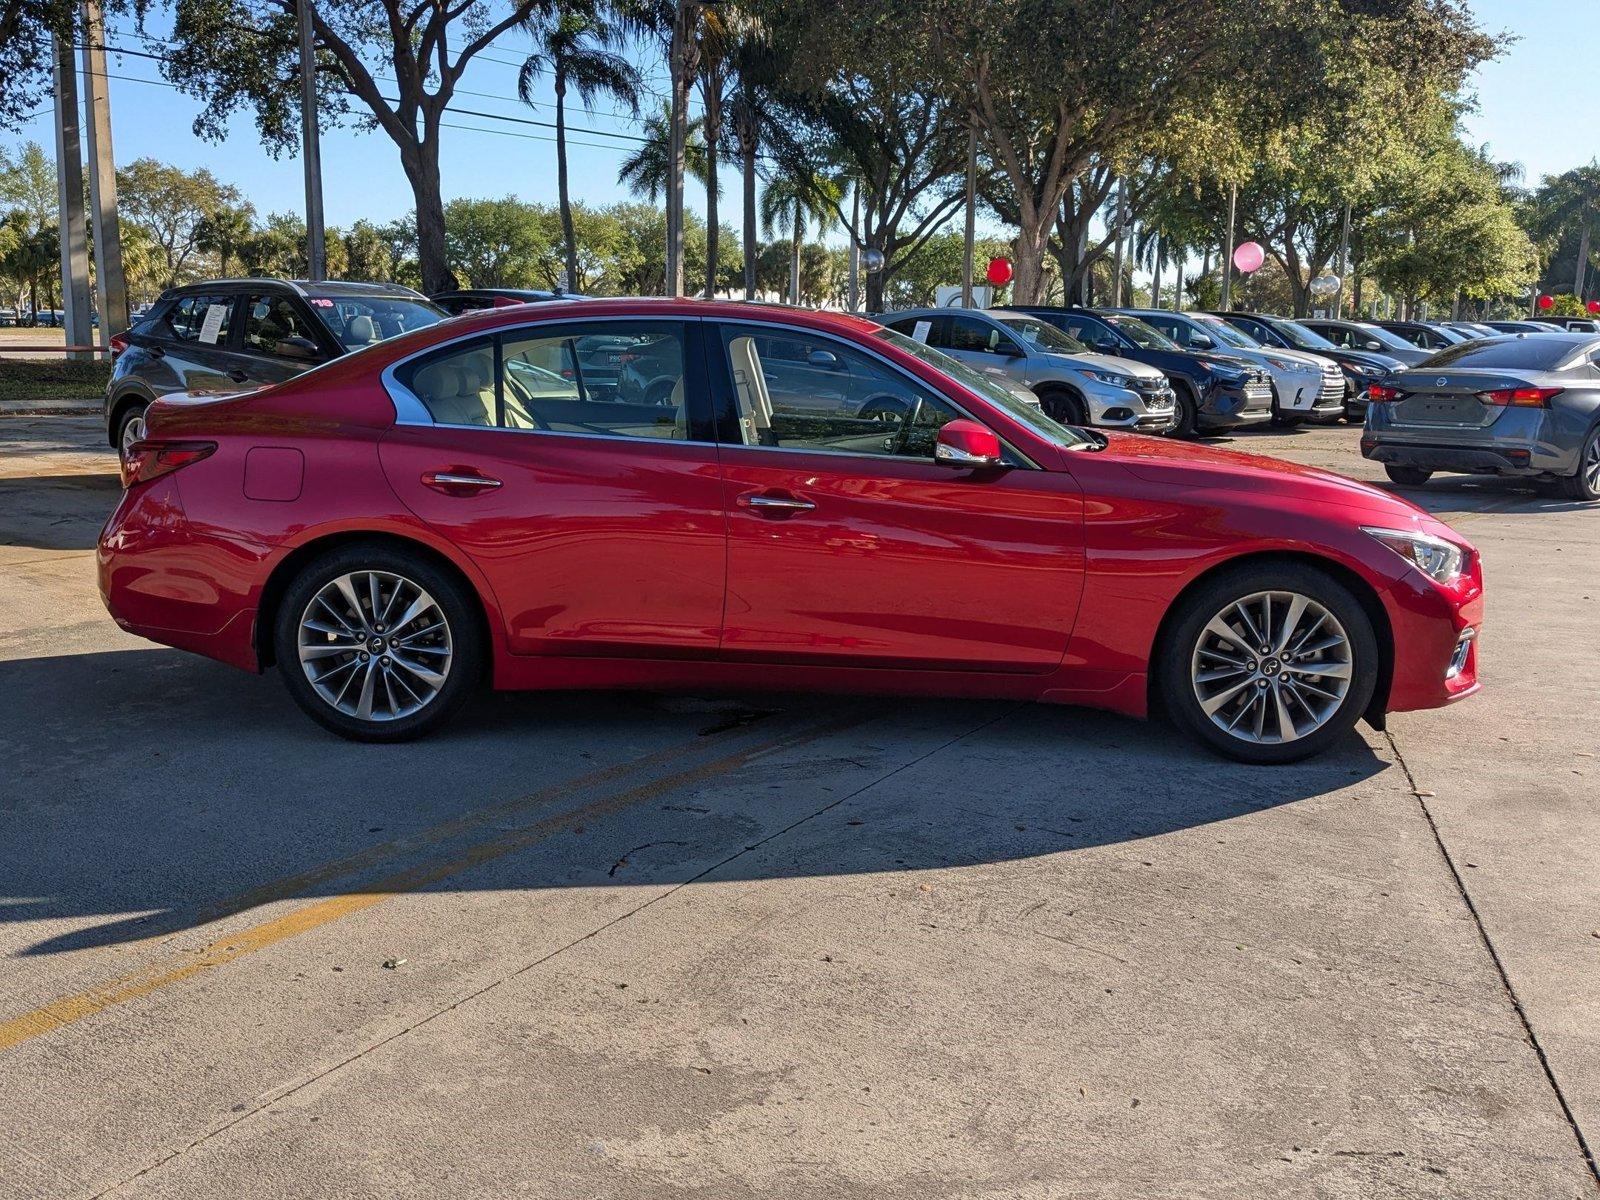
{"points": [[377, 643], [1269, 663]]}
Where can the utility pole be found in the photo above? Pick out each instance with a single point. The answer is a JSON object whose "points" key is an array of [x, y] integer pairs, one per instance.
{"points": [[310, 146], [69, 181], [1227, 249], [112, 284], [972, 214], [1122, 229], [855, 245], [1344, 265], [1155, 271]]}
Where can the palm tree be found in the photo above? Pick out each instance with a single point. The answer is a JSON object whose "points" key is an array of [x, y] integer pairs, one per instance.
{"points": [[644, 172], [579, 49], [752, 60], [1567, 201], [788, 202], [223, 232]]}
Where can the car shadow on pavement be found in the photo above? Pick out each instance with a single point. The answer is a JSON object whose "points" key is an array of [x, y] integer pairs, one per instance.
{"points": [[147, 791], [56, 512]]}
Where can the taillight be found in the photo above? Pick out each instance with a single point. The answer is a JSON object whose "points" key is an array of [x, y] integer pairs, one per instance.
{"points": [[119, 343], [147, 460], [1382, 393], [1520, 397]]}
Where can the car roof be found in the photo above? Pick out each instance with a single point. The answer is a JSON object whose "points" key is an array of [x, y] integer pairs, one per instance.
{"points": [[601, 308], [299, 287]]}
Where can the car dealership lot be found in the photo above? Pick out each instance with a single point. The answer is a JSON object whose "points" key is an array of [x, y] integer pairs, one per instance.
{"points": [[647, 945]]}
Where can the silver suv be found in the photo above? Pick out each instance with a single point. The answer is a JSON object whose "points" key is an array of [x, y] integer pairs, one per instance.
{"points": [[1075, 385]]}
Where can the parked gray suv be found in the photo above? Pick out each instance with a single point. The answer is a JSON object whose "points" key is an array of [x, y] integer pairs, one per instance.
{"points": [[232, 335], [1075, 385]]}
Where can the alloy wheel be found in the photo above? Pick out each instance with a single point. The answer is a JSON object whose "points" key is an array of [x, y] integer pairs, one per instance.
{"points": [[1272, 667], [1591, 463], [132, 432], [375, 645]]}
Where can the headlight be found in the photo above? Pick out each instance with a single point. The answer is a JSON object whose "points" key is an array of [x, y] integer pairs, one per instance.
{"points": [[1433, 556], [1226, 374], [1110, 377], [1365, 369], [1282, 364]]}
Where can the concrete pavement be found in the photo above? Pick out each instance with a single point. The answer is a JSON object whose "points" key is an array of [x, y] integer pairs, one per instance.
{"points": [[786, 946]]}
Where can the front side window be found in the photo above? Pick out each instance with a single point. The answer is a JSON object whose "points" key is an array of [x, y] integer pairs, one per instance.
{"points": [[360, 321], [972, 336], [1043, 337], [802, 392], [1225, 333], [271, 321], [1143, 334], [620, 379], [204, 320]]}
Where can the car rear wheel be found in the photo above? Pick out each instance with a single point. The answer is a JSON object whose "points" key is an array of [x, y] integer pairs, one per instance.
{"points": [[377, 643], [1584, 483], [130, 427], [1269, 663], [1407, 476]]}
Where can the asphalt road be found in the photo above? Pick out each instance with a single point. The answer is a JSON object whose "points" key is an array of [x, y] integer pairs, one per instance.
{"points": [[650, 946]]}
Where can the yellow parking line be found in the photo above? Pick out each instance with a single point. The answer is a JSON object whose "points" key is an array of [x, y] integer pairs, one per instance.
{"points": [[68, 1009]]}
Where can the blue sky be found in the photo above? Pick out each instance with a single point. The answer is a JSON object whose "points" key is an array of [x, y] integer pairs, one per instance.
{"points": [[1535, 106]]}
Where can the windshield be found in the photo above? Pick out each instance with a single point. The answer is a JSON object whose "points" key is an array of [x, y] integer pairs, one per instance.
{"points": [[1302, 338], [1521, 351], [1144, 335], [1043, 337], [358, 321], [1221, 331], [991, 390]]}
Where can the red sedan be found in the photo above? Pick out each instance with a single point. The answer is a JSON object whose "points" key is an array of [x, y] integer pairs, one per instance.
{"points": [[655, 494]]}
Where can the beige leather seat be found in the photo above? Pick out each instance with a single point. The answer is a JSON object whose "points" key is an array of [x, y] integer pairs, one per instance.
{"points": [[458, 391]]}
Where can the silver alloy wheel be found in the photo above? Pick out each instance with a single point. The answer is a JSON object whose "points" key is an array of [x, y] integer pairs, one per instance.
{"points": [[1271, 667], [132, 432], [1591, 463], [375, 645]]}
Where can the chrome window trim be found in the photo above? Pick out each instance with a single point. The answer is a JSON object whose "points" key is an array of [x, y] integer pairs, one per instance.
{"points": [[410, 410]]}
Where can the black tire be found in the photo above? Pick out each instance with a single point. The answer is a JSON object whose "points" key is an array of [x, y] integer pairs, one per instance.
{"points": [[462, 615], [1188, 413], [1407, 476], [1286, 420], [1178, 650], [1061, 404], [125, 419], [1584, 484]]}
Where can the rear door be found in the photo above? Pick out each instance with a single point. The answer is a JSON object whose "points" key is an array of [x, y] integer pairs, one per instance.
{"points": [[599, 523], [190, 343]]}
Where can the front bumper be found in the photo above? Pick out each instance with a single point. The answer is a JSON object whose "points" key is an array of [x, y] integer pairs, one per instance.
{"points": [[1152, 411], [1436, 630], [1230, 405], [1312, 395]]}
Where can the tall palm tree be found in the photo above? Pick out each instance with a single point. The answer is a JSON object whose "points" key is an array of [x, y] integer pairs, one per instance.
{"points": [[644, 172], [1570, 201], [579, 49], [753, 61], [223, 232], [788, 203]]}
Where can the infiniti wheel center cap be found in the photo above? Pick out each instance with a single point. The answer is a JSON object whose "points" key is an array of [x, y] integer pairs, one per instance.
{"points": [[1271, 666], [376, 645]]}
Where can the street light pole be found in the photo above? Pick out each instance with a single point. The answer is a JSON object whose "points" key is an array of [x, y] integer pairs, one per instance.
{"points": [[1122, 229], [855, 245], [310, 146], [972, 215], [112, 285], [1227, 249], [69, 180], [1344, 265]]}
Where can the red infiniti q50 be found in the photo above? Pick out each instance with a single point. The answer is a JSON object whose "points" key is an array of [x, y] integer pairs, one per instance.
{"points": [[654, 494]]}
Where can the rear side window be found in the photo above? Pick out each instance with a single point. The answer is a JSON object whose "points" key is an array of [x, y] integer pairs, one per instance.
{"points": [[1526, 352], [271, 320], [973, 336], [201, 319]]}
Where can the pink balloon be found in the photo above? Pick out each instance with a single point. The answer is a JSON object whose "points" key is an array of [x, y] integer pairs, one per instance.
{"points": [[1248, 256]]}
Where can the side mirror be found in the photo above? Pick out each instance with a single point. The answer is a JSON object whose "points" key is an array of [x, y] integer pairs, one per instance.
{"points": [[823, 358], [1202, 341], [298, 347], [1107, 347], [1372, 344], [966, 444]]}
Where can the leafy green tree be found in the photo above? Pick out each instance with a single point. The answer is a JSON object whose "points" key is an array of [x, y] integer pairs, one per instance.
{"points": [[393, 65], [498, 243], [223, 231], [1564, 210], [171, 204], [580, 50]]}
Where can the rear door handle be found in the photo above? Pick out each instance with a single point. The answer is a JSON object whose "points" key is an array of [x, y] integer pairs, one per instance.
{"points": [[776, 506], [459, 483], [238, 376]]}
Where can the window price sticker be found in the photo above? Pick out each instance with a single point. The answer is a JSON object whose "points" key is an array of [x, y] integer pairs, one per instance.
{"points": [[919, 331], [211, 327]]}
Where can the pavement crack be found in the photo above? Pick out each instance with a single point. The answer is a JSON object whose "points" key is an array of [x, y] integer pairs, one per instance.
{"points": [[300, 1085], [1421, 797]]}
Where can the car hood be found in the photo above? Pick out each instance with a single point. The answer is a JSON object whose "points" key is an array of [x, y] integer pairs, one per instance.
{"points": [[1216, 358], [1105, 362], [1185, 466], [1368, 358]]}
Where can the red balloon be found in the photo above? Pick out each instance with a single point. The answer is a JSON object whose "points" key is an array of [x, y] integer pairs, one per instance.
{"points": [[999, 272], [1594, 306], [1546, 302]]}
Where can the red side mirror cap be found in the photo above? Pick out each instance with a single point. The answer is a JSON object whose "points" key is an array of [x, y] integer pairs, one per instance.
{"points": [[967, 444]]}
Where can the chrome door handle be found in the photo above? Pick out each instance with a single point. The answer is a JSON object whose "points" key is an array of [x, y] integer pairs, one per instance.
{"points": [[779, 503], [455, 484]]}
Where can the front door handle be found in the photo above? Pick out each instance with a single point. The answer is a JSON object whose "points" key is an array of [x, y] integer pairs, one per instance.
{"points": [[238, 376], [780, 505], [459, 483]]}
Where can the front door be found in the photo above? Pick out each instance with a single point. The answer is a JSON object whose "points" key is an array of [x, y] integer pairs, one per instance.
{"points": [[597, 521], [849, 546]]}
